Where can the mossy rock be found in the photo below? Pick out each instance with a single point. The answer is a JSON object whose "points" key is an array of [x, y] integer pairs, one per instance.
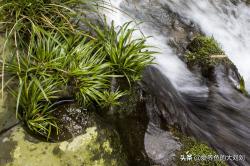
{"points": [[204, 45], [97, 147], [242, 87], [206, 53], [201, 153], [195, 149]]}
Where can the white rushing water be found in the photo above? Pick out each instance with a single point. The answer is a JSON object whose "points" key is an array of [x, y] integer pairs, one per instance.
{"points": [[166, 60], [229, 24]]}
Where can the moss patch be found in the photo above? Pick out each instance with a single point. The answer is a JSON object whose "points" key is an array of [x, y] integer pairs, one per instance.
{"points": [[94, 148], [242, 87], [201, 49], [206, 53], [195, 149]]}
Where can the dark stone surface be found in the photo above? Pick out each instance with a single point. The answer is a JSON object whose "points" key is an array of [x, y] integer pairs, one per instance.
{"points": [[220, 118]]}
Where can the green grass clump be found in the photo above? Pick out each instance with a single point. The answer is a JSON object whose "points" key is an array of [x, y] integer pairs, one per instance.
{"points": [[51, 58], [33, 103], [76, 66], [53, 66], [201, 49], [109, 98], [17, 17], [192, 147], [127, 55]]}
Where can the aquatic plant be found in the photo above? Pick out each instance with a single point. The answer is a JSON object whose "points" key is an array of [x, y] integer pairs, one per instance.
{"points": [[53, 67], [18, 16], [52, 58], [111, 98], [202, 50], [196, 150], [34, 105], [127, 55]]}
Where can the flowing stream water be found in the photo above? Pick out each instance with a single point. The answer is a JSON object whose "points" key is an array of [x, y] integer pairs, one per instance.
{"points": [[217, 114], [226, 22], [167, 61]]}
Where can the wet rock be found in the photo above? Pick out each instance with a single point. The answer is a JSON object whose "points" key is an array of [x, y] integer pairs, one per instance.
{"points": [[219, 117], [130, 121], [7, 113], [143, 140], [161, 146], [158, 16], [98, 146], [7, 103], [205, 56], [72, 120]]}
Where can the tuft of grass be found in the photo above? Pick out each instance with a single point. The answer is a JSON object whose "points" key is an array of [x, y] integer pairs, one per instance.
{"points": [[201, 49], [34, 105], [127, 55], [51, 59], [109, 98], [18, 16], [53, 66]]}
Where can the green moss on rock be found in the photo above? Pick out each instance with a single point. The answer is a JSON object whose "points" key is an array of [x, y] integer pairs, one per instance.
{"points": [[195, 149], [97, 147], [206, 53], [242, 87], [201, 49]]}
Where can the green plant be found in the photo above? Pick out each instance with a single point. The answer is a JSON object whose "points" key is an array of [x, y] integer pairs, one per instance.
{"points": [[201, 50], [55, 59], [34, 105], [89, 72], [127, 55], [18, 16], [109, 98], [196, 150], [53, 64], [242, 88]]}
